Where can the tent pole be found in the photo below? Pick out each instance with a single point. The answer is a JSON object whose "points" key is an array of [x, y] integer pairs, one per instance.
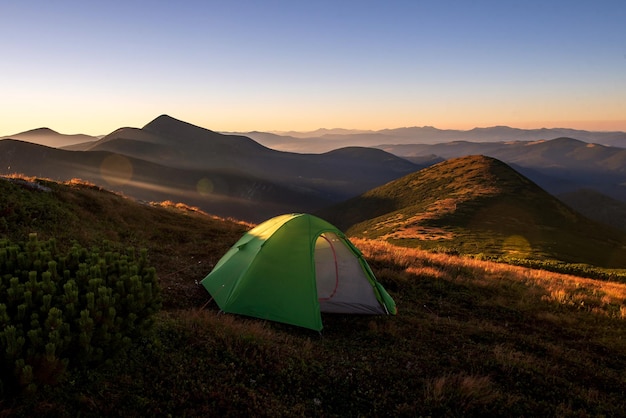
{"points": [[207, 302]]}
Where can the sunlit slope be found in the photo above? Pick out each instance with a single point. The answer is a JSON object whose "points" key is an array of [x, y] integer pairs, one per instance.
{"points": [[479, 205]]}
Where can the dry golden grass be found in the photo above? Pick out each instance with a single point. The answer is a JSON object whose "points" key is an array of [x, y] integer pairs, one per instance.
{"points": [[600, 297]]}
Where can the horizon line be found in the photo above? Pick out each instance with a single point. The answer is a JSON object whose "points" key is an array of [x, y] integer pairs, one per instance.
{"points": [[355, 130]]}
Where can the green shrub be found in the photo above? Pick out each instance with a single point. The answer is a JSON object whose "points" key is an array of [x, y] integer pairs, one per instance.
{"points": [[580, 270], [68, 310]]}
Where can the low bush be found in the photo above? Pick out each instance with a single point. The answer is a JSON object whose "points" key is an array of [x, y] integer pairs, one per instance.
{"points": [[68, 310], [579, 269]]}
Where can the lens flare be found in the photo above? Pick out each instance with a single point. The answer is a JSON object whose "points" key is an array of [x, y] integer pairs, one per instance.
{"points": [[516, 245], [116, 170], [205, 186]]}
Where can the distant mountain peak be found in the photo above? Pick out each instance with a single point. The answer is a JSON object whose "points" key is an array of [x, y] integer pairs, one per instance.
{"points": [[474, 175], [165, 118], [51, 138], [36, 131], [42, 131], [167, 125]]}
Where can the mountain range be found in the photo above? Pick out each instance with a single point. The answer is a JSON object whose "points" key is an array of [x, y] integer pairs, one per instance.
{"points": [[228, 175], [561, 164], [565, 162], [364, 189], [323, 140]]}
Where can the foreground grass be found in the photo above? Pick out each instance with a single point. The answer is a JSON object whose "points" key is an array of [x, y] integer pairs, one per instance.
{"points": [[472, 338]]}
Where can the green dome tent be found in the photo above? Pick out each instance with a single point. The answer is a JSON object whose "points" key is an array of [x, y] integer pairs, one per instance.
{"points": [[293, 267]]}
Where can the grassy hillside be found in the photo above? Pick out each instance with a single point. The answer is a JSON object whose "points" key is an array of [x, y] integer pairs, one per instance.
{"points": [[558, 165], [479, 205], [180, 239], [472, 338], [221, 191]]}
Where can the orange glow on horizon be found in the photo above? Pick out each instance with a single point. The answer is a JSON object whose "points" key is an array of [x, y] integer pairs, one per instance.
{"points": [[96, 127]]}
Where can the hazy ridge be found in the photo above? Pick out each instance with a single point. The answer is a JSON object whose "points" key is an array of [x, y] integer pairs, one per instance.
{"points": [[50, 138], [227, 175], [325, 139]]}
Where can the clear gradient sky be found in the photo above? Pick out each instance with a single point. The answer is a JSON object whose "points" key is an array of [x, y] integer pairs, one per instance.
{"points": [[231, 65]]}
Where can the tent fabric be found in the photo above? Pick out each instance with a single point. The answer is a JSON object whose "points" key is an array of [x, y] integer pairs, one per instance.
{"points": [[293, 267]]}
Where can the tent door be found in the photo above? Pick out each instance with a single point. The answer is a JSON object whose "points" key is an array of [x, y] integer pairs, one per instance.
{"points": [[326, 268], [342, 284]]}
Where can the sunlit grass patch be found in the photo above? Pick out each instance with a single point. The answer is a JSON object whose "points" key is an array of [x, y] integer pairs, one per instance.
{"points": [[530, 286]]}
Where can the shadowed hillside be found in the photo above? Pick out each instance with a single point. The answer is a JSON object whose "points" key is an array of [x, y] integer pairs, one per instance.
{"points": [[479, 205], [597, 206], [175, 143], [227, 175], [219, 191]]}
